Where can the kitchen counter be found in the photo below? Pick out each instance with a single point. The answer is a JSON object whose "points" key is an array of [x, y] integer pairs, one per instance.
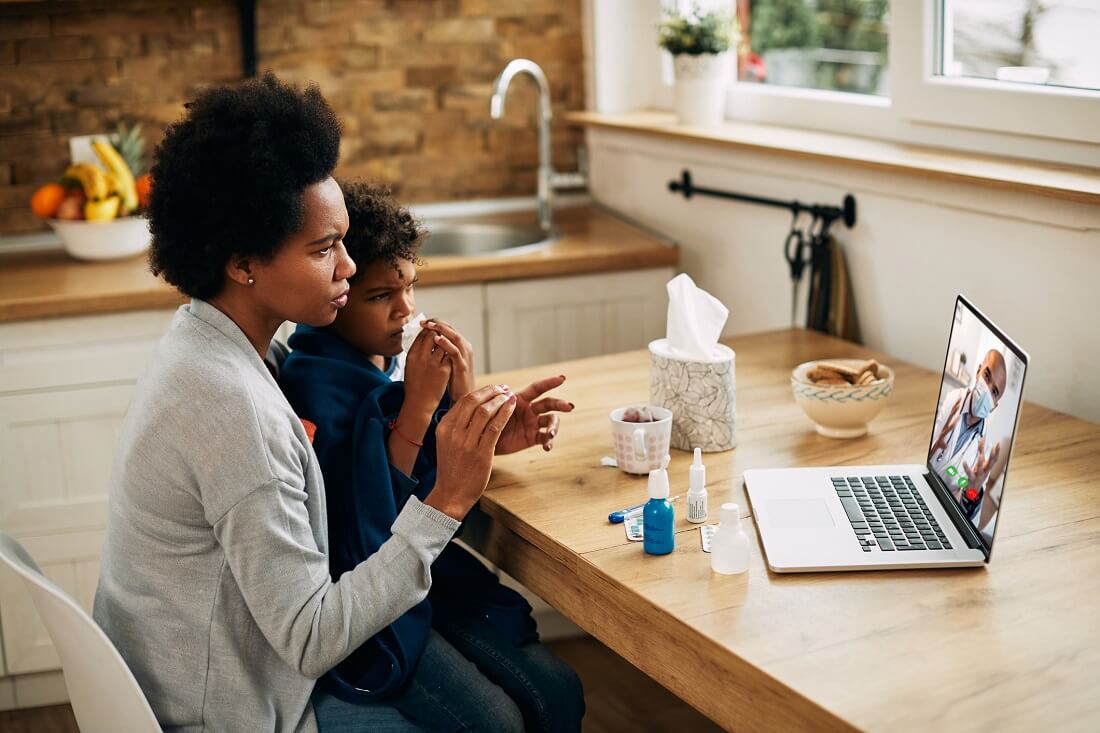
{"points": [[44, 285]]}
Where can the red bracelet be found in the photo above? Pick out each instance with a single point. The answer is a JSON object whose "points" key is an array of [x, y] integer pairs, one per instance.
{"points": [[407, 439]]}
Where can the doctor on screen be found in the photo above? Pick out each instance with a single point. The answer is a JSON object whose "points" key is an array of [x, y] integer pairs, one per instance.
{"points": [[959, 452]]}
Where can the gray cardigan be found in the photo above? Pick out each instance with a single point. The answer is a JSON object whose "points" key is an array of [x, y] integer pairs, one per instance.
{"points": [[215, 581]]}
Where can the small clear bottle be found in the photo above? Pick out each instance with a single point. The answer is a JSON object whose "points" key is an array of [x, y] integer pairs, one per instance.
{"points": [[729, 552], [697, 490]]}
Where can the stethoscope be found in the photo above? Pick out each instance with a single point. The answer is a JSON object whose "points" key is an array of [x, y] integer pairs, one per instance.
{"points": [[953, 438]]}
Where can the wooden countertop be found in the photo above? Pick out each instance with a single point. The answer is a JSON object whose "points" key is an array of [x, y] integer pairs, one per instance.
{"points": [[1066, 182], [1014, 645], [41, 285]]}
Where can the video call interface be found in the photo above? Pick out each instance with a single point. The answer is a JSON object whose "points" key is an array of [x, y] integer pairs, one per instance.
{"points": [[976, 418]]}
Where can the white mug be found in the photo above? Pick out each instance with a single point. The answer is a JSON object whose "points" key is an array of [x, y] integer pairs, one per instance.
{"points": [[640, 447]]}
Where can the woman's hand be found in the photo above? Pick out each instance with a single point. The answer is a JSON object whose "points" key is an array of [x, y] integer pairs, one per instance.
{"points": [[465, 440], [461, 354], [535, 421]]}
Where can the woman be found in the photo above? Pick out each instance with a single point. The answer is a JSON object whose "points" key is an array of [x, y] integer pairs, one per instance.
{"points": [[215, 583]]}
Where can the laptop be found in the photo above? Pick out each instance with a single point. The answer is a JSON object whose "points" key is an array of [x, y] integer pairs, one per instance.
{"points": [[939, 515]]}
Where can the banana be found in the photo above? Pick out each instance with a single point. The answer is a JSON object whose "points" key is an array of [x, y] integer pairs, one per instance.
{"points": [[115, 187], [92, 179], [104, 210], [114, 163]]}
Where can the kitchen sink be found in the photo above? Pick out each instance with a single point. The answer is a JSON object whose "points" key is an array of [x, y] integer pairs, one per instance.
{"points": [[466, 238]]}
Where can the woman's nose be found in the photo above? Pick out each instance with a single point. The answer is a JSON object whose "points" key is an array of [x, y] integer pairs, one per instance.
{"points": [[345, 265]]}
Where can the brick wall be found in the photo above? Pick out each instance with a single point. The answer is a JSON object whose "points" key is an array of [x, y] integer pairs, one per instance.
{"points": [[410, 79]]}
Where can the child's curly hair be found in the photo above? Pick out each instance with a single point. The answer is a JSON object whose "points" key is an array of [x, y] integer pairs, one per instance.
{"points": [[379, 227]]}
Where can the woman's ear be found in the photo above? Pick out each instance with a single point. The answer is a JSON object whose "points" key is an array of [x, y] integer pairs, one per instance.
{"points": [[240, 271]]}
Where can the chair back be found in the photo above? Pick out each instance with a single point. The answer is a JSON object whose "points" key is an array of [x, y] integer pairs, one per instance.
{"points": [[103, 692]]}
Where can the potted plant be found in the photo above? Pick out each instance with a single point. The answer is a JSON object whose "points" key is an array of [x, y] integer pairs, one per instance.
{"points": [[699, 43]]}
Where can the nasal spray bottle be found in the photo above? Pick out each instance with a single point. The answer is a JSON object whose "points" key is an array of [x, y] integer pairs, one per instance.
{"points": [[697, 490], [658, 514], [729, 550]]}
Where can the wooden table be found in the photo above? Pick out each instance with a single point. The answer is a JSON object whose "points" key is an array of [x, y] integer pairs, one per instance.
{"points": [[1013, 646]]}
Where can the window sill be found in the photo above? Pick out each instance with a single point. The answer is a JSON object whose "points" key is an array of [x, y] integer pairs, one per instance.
{"points": [[1068, 183]]}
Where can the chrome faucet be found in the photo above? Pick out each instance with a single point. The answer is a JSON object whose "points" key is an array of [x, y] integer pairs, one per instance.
{"points": [[548, 180]]}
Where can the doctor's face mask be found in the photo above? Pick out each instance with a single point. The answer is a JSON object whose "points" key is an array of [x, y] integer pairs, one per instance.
{"points": [[989, 384], [981, 403]]}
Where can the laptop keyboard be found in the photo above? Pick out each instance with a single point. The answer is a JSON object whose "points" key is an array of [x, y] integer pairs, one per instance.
{"points": [[888, 512]]}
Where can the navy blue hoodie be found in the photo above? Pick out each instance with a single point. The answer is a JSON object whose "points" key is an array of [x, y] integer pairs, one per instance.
{"points": [[351, 401]]}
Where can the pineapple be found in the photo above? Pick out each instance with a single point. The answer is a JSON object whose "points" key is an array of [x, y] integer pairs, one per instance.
{"points": [[131, 146]]}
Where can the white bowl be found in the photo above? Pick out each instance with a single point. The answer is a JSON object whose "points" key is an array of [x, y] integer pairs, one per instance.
{"points": [[840, 410], [103, 240]]}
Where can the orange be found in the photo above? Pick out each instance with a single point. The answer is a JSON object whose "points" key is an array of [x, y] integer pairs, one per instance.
{"points": [[144, 185], [45, 200]]}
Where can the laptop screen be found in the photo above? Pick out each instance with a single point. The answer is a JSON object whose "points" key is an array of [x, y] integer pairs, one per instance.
{"points": [[976, 415]]}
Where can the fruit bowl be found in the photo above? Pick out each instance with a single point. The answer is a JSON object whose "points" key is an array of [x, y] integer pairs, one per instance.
{"points": [[841, 410], [103, 240]]}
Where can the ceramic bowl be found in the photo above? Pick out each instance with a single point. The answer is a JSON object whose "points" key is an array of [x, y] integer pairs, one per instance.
{"points": [[103, 240], [842, 410]]}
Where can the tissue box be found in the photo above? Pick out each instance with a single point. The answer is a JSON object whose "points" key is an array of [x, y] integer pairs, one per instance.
{"points": [[701, 395]]}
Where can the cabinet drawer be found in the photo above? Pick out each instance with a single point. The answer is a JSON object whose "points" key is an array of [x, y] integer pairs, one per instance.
{"points": [[462, 306], [557, 319], [56, 454], [62, 352]]}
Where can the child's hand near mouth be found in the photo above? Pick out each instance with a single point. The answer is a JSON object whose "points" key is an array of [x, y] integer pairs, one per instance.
{"points": [[461, 355]]}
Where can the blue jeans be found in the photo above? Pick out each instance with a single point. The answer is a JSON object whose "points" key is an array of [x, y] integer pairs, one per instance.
{"points": [[472, 680]]}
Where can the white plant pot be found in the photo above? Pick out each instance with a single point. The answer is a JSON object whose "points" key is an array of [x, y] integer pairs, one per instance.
{"points": [[701, 88]]}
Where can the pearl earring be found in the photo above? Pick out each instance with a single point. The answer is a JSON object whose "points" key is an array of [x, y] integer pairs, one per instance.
{"points": [[251, 280]]}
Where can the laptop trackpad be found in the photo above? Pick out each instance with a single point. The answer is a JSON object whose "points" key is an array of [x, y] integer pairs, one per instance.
{"points": [[799, 514]]}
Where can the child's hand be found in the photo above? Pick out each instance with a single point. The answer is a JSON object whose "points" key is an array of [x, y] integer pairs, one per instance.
{"points": [[535, 421], [461, 354], [427, 372]]}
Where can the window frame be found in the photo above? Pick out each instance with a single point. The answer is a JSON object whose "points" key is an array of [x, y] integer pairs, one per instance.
{"points": [[999, 106], [972, 115]]}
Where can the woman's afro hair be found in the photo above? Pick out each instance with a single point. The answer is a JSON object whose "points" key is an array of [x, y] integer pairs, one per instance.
{"points": [[228, 178], [379, 227]]}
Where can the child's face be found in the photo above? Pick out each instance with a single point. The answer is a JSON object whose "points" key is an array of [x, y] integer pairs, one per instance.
{"points": [[380, 302]]}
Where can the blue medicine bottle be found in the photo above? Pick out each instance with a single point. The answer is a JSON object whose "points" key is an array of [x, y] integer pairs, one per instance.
{"points": [[658, 514]]}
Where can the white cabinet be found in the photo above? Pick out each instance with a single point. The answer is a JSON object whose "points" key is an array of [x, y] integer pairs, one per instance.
{"points": [[64, 388], [65, 385], [556, 319], [462, 306]]}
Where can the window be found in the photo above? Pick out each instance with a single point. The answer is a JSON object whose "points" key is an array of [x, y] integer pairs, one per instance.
{"points": [[835, 45], [1008, 66], [1025, 41], [1019, 78]]}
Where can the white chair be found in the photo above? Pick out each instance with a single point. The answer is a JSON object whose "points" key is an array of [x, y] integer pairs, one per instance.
{"points": [[103, 692]]}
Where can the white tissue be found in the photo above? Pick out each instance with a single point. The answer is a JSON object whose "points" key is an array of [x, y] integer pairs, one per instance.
{"points": [[409, 332], [695, 321]]}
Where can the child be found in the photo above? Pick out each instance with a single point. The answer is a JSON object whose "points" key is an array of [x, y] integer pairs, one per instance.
{"points": [[374, 440]]}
